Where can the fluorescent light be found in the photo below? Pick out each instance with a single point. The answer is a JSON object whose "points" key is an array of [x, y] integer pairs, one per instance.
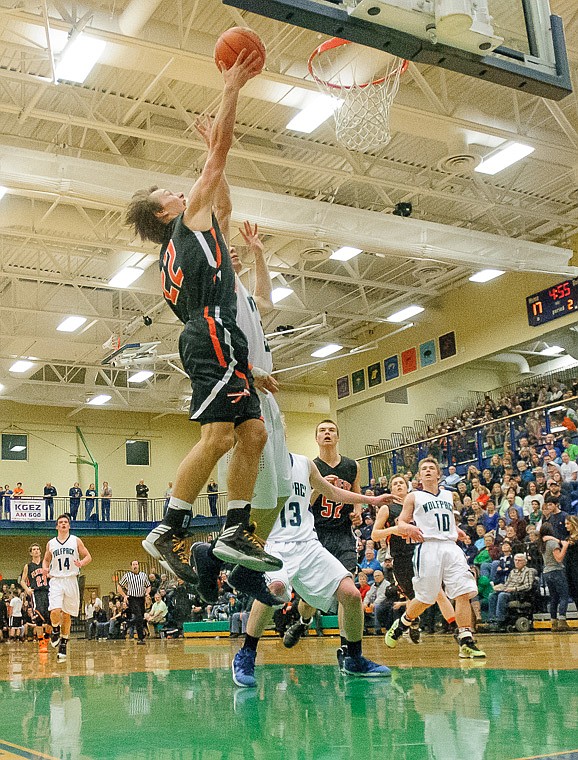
{"points": [[314, 114], [401, 316], [278, 294], [485, 275], [559, 429], [141, 376], [345, 253], [552, 351], [3, 191], [131, 441], [327, 350], [126, 277], [99, 400], [17, 448], [79, 58], [503, 157], [21, 366], [70, 324]]}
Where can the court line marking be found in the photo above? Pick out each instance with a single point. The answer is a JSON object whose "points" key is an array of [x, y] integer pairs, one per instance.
{"points": [[22, 752], [571, 754]]}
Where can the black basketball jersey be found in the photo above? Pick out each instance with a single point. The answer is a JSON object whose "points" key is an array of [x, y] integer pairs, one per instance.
{"points": [[36, 579], [398, 546], [196, 271], [333, 515]]}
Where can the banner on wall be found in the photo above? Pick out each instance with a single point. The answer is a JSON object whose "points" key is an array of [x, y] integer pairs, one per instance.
{"points": [[374, 374], [343, 386], [25, 509], [427, 353], [408, 361], [358, 381], [447, 345], [391, 368]]}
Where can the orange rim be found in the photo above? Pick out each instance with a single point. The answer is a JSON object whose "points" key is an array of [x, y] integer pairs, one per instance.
{"points": [[336, 42]]}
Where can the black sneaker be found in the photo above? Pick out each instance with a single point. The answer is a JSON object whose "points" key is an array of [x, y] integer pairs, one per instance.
{"points": [[414, 632], [294, 633], [240, 545], [61, 656], [207, 569], [165, 543], [341, 655], [55, 636], [253, 584]]}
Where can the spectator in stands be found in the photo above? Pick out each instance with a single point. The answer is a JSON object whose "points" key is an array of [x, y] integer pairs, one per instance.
{"points": [[535, 515], [89, 503], [512, 500], [520, 579], [369, 564], [531, 495], [49, 493], [496, 468], [452, 478], [213, 492], [89, 620], [101, 621], [513, 537], [571, 562], [570, 448], [156, 617], [469, 549], [526, 474], [557, 519], [367, 526], [105, 497], [487, 556], [377, 603], [382, 486], [462, 491], [5, 495], [490, 517], [554, 574], [142, 492], [487, 479], [505, 563], [469, 527], [568, 469], [478, 491], [362, 584], [18, 491], [74, 496], [479, 543]]}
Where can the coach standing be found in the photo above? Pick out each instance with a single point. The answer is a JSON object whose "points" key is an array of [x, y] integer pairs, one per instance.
{"points": [[134, 586]]}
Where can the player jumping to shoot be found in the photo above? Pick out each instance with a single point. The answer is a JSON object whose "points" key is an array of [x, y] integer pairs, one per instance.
{"points": [[437, 559]]}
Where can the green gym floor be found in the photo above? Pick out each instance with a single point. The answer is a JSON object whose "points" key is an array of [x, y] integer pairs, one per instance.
{"points": [[175, 700]]}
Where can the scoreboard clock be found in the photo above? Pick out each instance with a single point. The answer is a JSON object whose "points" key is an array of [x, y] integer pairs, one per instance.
{"points": [[552, 303]]}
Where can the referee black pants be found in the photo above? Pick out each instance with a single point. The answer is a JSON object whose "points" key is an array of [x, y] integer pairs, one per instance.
{"points": [[136, 608]]}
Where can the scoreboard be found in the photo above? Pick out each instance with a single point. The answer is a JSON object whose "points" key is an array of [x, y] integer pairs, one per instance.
{"points": [[552, 303]]}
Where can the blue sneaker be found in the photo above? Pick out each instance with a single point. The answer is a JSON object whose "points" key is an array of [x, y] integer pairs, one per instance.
{"points": [[361, 667], [253, 584], [243, 668]]}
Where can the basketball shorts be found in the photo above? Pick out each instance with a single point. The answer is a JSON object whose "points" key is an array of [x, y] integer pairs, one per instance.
{"points": [[403, 571], [341, 546], [213, 352], [274, 479], [15, 622], [41, 604], [309, 569], [441, 562], [63, 594]]}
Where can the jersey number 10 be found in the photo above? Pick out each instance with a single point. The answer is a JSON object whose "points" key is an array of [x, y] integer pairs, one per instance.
{"points": [[444, 523]]}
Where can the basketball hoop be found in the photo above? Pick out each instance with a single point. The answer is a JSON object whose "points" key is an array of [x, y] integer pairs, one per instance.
{"points": [[365, 82]]}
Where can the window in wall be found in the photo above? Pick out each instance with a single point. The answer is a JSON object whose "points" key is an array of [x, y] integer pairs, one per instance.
{"points": [[14, 446], [137, 452]]}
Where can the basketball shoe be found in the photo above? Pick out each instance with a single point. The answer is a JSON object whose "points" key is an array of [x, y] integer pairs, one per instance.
{"points": [[253, 583], [294, 633], [165, 543], [361, 667], [61, 656], [240, 545], [55, 636], [469, 649], [243, 668]]}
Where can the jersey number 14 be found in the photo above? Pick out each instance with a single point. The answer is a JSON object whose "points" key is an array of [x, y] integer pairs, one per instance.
{"points": [[63, 564]]}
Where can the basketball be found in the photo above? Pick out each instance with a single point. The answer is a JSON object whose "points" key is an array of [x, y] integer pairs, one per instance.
{"points": [[231, 42]]}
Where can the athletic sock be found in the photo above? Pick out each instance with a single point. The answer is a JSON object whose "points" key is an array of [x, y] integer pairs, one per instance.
{"points": [[404, 621], [238, 512], [343, 641], [464, 633], [250, 642], [353, 648], [175, 503], [304, 621]]}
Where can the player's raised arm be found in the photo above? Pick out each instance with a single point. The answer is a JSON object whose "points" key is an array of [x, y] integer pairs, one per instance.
{"points": [[327, 489], [404, 521], [222, 205], [263, 290], [85, 556]]}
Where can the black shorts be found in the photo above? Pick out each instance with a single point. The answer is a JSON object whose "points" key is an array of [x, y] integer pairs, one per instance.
{"points": [[214, 354], [404, 572], [342, 547], [15, 622], [41, 604]]}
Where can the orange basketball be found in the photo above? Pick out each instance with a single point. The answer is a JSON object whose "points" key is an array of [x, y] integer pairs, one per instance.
{"points": [[231, 42]]}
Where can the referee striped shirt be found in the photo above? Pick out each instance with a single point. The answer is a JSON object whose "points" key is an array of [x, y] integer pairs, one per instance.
{"points": [[135, 583]]}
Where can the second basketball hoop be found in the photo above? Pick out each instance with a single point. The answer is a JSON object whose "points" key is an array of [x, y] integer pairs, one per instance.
{"points": [[364, 81]]}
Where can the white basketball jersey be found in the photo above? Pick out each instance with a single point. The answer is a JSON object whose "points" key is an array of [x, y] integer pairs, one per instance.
{"points": [[434, 515], [63, 556], [295, 521], [249, 321]]}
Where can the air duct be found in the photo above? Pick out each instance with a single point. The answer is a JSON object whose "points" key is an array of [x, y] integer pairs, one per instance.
{"points": [[136, 14], [511, 358]]}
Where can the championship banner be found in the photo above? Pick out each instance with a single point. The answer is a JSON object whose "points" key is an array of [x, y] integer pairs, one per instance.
{"points": [[27, 510]]}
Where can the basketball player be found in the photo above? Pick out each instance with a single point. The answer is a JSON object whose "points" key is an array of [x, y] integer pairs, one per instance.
{"points": [[437, 559], [199, 286], [64, 557], [314, 573], [36, 586], [333, 520], [386, 529]]}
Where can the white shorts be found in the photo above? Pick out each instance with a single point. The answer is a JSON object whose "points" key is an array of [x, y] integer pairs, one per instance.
{"points": [[441, 562], [63, 594], [274, 479], [310, 569]]}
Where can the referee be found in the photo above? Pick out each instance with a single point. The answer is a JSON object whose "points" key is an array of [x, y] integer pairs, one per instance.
{"points": [[133, 587]]}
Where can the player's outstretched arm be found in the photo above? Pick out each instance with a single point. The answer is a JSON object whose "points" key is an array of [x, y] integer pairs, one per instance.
{"points": [[222, 205], [197, 215], [85, 557], [327, 489], [263, 290], [380, 532]]}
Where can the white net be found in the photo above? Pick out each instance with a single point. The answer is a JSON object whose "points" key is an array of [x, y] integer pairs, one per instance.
{"points": [[365, 83]]}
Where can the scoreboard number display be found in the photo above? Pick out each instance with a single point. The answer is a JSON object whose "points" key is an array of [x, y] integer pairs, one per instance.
{"points": [[552, 303]]}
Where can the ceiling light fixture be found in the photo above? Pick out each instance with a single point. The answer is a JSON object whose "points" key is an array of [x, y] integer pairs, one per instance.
{"points": [[485, 275], [99, 400], [278, 294], [327, 350], [21, 366], [3, 191], [141, 376], [345, 253], [17, 448], [126, 277], [313, 115], [70, 324], [500, 159], [407, 313], [79, 58]]}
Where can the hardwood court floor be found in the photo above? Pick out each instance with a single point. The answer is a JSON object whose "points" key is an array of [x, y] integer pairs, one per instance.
{"points": [[175, 700]]}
